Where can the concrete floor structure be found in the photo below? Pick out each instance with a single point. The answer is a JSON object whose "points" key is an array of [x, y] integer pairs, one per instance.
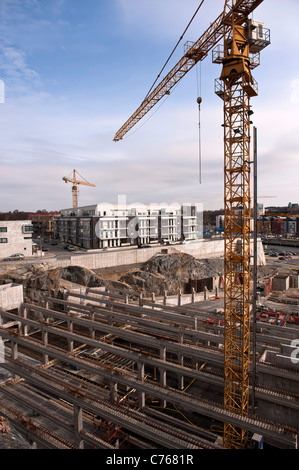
{"points": [[110, 370]]}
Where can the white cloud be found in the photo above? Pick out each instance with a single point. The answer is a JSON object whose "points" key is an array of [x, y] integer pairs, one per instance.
{"points": [[14, 64], [160, 20], [46, 132]]}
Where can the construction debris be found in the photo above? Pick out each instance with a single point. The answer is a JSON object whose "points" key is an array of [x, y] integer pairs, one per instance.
{"points": [[4, 426]]}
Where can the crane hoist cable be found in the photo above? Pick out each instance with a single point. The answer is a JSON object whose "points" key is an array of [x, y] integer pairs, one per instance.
{"points": [[199, 100], [158, 76], [174, 49]]}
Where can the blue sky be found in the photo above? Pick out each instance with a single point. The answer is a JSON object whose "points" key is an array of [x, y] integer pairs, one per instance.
{"points": [[74, 71]]}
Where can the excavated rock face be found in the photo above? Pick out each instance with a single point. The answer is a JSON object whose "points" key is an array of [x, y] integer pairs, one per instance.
{"points": [[164, 272], [146, 282], [51, 282], [171, 272], [41, 281]]}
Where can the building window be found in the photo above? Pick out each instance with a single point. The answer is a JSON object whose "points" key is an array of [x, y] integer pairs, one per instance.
{"points": [[27, 228], [3, 229], [3, 240]]}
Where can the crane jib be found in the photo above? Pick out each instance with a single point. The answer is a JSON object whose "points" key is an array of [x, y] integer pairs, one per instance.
{"points": [[197, 52]]}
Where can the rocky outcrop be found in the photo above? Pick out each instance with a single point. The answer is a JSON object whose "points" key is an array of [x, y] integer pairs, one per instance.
{"points": [[163, 272], [41, 281], [171, 272]]}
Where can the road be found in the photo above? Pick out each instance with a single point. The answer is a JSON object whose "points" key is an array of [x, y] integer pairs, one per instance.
{"points": [[59, 252]]}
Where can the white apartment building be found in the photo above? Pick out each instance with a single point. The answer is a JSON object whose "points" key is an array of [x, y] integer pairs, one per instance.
{"points": [[15, 237], [108, 225]]}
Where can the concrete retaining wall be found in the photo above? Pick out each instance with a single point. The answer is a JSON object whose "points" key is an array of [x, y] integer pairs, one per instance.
{"points": [[106, 259]]}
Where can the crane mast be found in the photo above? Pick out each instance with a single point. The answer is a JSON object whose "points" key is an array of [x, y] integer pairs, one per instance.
{"points": [[238, 55], [236, 91]]}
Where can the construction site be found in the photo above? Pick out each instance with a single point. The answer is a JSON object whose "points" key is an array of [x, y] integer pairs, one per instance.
{"points": [[111, 368], [108, 369]]}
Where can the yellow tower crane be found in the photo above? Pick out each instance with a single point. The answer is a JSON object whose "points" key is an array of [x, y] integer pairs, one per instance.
{"points": [[243, 39], [75, 182]]}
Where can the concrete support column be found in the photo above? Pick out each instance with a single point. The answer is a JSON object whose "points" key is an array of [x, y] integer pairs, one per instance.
{"points": [[70, 342], [163, 377], [181, 362], [141, 395], [14, 354], [78, 424], [163, 353], [14, 350], [180, 337], [140, 300], [205, 294], [25, 327], [82, 292], [113, 391], [193, 295], [153, 298], [45, 341], [165, 297], [126, 299], [181, 376], [179, 298], [92, 333]]}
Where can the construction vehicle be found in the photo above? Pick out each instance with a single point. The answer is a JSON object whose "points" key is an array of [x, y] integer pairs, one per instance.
{"points": [[243, 39], [75, 182]]}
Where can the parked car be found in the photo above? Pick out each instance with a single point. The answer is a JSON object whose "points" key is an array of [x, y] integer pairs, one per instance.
{"points": [[53, 242], [15, 257], [71, 247], [44, 248]]}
